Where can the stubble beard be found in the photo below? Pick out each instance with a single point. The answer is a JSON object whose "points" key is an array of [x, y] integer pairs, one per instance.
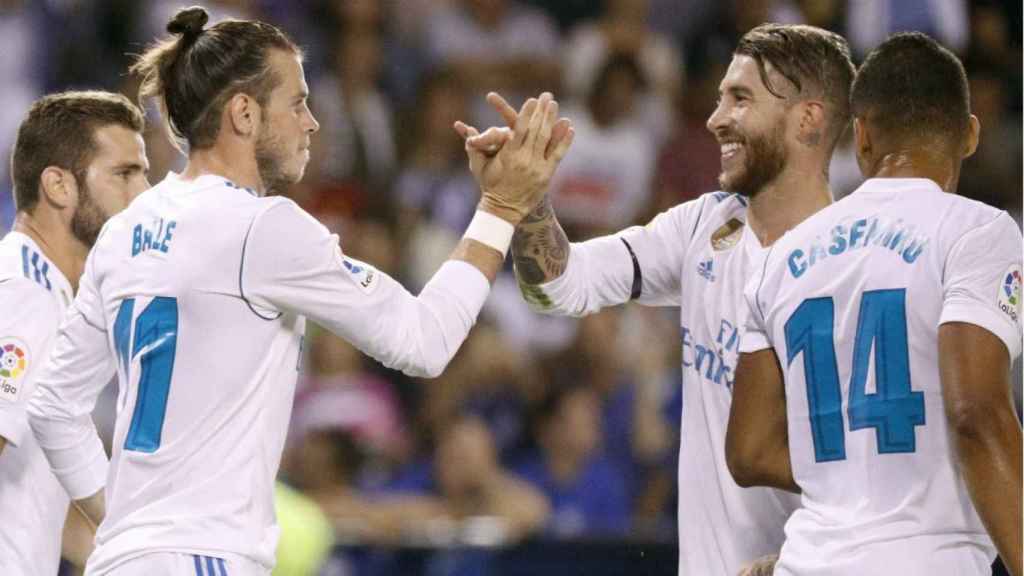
{"points": [[764, 159]]}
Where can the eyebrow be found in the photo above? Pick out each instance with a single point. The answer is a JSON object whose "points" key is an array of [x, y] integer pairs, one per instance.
{"points": [[131, 167], [737, 91]]}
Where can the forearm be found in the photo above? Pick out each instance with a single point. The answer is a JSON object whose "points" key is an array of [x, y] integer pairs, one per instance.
{"points": [[93, 508], [78, 537], [990, 459], [523, 507], [556, 277], [540, 248], [482, 257]]}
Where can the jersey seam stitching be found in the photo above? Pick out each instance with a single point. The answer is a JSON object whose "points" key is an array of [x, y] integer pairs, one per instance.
{"points": [[241, 269]]}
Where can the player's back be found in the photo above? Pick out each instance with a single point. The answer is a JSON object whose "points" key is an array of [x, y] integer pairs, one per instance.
{"points": [[853, 299], [206, 378]]}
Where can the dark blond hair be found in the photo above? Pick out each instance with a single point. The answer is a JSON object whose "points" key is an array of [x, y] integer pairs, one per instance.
{"points": [[195, 72]]}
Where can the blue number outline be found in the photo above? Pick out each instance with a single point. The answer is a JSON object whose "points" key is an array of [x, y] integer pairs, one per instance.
{"points": [[155, 339], [894, 410]]}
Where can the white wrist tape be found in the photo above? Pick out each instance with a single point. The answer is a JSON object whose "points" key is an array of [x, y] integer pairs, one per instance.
{"points": [[488, 229]]}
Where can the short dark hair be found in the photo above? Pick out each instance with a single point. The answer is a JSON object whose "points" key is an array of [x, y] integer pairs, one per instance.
{"points": [[59, 130], [194, 73], [910, 86], [815, 61]]}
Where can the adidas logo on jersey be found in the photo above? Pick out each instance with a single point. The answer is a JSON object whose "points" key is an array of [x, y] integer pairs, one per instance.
{"points": [[705, 269]]}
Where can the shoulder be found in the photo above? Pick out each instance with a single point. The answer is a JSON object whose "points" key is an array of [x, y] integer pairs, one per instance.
{"points": [[25, 270]]}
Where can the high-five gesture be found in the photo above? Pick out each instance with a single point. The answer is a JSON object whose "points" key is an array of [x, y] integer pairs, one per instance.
{"points": [[514, 165]]}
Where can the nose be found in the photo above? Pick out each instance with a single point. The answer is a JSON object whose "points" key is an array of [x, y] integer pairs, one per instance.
{"points": [[312, 125], [717, 119]]}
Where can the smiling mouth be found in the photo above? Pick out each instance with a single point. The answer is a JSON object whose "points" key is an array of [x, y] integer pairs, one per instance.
{"points": [[730, 149]]}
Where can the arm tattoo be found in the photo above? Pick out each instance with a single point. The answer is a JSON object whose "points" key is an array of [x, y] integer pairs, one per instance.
{"points": [[540, 248]]}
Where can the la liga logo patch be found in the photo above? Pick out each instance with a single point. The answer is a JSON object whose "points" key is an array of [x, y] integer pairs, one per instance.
{"points": [[14, 361], [1009, 293]]}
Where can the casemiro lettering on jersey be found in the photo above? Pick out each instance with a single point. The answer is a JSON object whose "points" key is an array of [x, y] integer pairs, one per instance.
{"points": [[156, 237], [876, 231], [710, 361]]}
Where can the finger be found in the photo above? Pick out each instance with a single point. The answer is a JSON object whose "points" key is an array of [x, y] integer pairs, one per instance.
{"points": [[523, 123], [535, 120], [508, 113], [491, 140], [464, 130], [558, 133], [540, 146], [559, 152]]}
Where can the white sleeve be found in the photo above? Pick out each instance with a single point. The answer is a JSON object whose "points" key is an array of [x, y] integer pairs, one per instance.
{"points": [[754, 334], [80, 364], [28, 321], [292, 263], [982, 281], [642, 263]]}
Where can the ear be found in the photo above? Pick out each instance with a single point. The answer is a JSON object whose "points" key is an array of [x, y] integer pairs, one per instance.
{"points": [[812, 123], [863, 146], [973, 136], [58, 187], [243, 114], [861, 138]]}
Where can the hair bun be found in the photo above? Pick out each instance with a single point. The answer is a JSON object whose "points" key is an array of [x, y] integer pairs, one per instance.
{"points": [[188, 22]]}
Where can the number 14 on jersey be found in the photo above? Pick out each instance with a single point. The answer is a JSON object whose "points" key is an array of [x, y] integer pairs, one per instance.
{"points": [[893, 410]]}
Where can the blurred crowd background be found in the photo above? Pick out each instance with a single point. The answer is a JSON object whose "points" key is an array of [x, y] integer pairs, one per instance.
{"points": [[542, 429]]}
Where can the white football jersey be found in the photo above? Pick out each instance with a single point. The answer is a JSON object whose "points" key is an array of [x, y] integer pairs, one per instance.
{"points": [[33, 505], [196, 295], [851, 301], [698, 256]]}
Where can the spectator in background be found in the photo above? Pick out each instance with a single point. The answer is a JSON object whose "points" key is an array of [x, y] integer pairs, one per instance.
{"points": [[23, 63], [605, 183], [623, 28], [356, 144], [465, 480], [586, 489], [869, 23], [497, 45], [625, 358], [993, 174], [688, 165], [492, 381], [434, 194]]}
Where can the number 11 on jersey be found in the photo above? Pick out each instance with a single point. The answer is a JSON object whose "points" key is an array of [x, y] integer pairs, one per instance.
{"points": [[893, 410], [155, 338]]}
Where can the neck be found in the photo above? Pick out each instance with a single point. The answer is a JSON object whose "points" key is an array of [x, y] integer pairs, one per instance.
{"points": [[226, 161], [786, 202], [56, 241], [931, 164]]}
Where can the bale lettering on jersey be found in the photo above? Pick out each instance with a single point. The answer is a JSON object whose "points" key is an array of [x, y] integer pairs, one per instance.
{"points": [[158, 236], [14, 361], [878, 231]]}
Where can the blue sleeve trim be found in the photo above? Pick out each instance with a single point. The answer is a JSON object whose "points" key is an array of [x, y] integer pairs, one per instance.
{"points": [[241, 269]]}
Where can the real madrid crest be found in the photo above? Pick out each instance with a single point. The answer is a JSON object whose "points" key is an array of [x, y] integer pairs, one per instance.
{"points": [[728, 235]]}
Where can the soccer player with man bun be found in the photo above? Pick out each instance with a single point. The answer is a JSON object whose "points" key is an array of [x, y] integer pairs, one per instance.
{"points": [[875, 371], [197, 297], [78, 159]]}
